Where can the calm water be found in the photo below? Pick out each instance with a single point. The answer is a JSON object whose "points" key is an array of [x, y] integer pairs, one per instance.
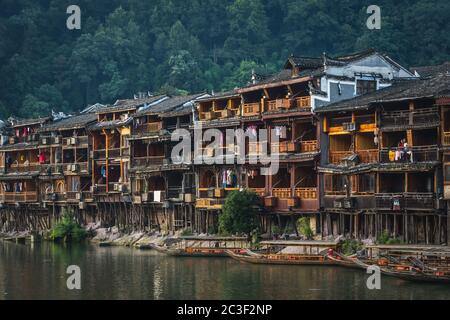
{"points": [[38, 272]]}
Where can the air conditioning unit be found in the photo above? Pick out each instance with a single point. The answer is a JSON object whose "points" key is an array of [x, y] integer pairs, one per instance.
{"points": [[73, 141], [82, 205], [78, 196], [348, 203], [337, 204], [137, 199], [189, 197], [59, 169], [349, 126], [68, 142], [116, 186], [57, 140], [69, 167], [446, 192], [74, 168], [44, 141]]}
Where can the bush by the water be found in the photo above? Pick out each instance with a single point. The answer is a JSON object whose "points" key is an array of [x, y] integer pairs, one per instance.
{"points": [[239, 215], [68, 229], [385, 238], [304, 227], [351, 246]]}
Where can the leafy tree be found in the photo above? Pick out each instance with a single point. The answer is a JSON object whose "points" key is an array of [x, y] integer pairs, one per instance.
{"points": [[128, 46], [239, 214]]}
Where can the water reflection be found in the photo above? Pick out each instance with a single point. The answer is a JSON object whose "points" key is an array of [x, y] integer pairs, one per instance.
{"points": [[38, 271]]}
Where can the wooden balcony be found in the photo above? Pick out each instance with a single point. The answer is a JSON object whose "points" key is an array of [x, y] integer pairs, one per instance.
{"points": [[255, 148], [55, 197], [148, 128], [284, 147], [75, 142], [407, 200], [50, 140], [251, 109], [13, 197], [419, 154], [259, 191], [147, 161], [306, 193], [20, 168], [75, 168], [368, 156], [203, 203], [337, 156], [278, 104], [303, 102], [308, 146], [427, 117]]}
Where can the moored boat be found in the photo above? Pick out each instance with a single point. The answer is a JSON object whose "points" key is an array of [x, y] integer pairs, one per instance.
{"points": [[205, 246], [294, 252]]}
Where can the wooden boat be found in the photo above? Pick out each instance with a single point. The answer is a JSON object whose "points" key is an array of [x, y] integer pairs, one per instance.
{"points": [[288, 252], [405, 271], [205, 246], [343, 260]]}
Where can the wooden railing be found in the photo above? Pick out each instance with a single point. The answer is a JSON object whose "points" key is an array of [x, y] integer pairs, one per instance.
{"points": [[114, 153], [145, 161], [209, 203], [255, 148], [282, 193], [11, 197], [337, 156], [50, 140], [55, 196], [284, 147], [419, 154], [405, 200], [16, 168], [75, 167], [368, 156], [151, 127], [76, 142], [278, 104], [427, 116], [303, 102], [251, 109], [306, 193], [99, 154], [308, 146], [259, 191]]}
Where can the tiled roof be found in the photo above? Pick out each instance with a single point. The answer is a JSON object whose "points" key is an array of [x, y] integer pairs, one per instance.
{"points": [[427, 71], [72, 122], [436, 87], [169, 105], [131, 104]]}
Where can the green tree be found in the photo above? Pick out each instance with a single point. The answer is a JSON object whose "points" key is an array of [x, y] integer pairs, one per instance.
{"points": [[239, 215]]}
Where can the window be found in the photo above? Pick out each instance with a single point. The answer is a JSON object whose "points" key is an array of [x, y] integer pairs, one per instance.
{"points": [[365, 86], [335, 184], [366, 183]]}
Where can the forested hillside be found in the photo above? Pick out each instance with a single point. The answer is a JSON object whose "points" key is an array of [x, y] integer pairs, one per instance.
{"points": [[190, 45]]}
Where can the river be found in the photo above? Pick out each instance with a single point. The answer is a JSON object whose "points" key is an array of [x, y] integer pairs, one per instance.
{"points": [[38, 271]]}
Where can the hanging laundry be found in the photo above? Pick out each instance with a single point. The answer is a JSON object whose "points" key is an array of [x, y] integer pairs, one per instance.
{"points": [[103, 171]]}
